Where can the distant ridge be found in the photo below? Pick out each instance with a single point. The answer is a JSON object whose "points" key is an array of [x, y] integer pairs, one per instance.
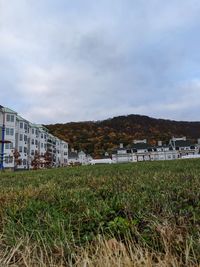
{"points": [[97, 137]]}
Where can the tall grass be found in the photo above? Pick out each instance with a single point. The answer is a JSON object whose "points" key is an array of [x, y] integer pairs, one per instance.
{"points": [[145, 214]]}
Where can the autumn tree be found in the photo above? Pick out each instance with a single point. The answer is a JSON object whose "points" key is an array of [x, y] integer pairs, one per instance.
{"points": [[17, 160], [36, 162], [47, 159]]}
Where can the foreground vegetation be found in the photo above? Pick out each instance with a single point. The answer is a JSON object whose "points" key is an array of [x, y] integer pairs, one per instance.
{"points": [[144, 214]]}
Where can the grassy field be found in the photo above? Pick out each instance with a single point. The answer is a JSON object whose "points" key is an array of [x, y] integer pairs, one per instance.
{"points": [[144, 214]]}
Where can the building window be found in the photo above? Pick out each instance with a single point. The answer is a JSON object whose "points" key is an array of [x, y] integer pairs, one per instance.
{"points": [[8, 159], [42, 136], [24, 162], [10, 131], [25, 126], [32, 131], [21, 125], [10, 118], [36, 142], [25, 138], [21, 137], [32, 141], [25, 150], [9, 146], [20, 149], [42, 145]]}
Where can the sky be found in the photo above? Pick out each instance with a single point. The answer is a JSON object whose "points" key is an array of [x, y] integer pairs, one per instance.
{"points": [[75, 60]]}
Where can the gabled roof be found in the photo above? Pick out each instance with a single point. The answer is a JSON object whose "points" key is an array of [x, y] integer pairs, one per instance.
{"points": [[182, 143], [7, 110], [72, 155], [21, 119], [141, 146]]}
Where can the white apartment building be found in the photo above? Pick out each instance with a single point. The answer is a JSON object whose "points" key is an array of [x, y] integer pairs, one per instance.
{"points": [[28, 139], [7, 118], [142, 151]]}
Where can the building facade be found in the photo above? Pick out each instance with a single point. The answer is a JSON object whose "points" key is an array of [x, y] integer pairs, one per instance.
{"points": [[29, 140], [140, 150]]}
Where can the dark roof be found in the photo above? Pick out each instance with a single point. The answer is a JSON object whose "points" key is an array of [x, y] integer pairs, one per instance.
{"points": [[141, 146], [120, 148], [182, 143], [72, 155]]}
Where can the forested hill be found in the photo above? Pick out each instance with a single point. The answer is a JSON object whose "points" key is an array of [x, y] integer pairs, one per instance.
{"points": [[96, 137]]}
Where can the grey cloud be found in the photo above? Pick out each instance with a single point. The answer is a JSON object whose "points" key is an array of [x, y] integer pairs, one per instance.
{"points": [[67, 61]]}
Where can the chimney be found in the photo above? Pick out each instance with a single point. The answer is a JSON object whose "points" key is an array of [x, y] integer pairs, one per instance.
{"points": [[121, 145], [159, 143]]}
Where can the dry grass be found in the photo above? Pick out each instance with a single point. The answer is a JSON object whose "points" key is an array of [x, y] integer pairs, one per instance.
{"points": [[106, 253]]}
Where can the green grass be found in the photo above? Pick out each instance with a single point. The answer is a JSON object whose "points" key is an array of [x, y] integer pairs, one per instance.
{"points": [[155, 205]]}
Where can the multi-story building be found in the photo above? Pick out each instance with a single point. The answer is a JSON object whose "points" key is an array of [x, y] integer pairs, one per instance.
{"points": [[29, 140], [7, 133], [142, 151]]}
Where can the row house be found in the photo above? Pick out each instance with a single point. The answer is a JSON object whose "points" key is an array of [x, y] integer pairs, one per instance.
{"points": [[28, 139], [140, 150]]}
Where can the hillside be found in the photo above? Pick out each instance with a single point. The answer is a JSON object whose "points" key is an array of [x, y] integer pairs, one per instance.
{"points": [[96, 137]]}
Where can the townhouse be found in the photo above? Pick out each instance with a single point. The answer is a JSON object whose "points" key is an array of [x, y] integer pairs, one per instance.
{"points": [[18, 134], [140, 150]]}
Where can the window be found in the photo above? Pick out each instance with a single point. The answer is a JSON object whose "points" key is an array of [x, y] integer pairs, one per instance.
{"points": [[21, 125], [20, 149], [25, 150], [33, 131], [25, 126], [21, 137], [10, 131], [6, 146], [25, 138], [7, 131], [10, 118], [32, 142], [7, 117], [41, 135], [42, 145], [32, 152], [8, 160], [24, 162]]}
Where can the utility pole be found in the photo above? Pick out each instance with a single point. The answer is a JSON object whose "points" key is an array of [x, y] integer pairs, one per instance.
{"points": [[2, 142]]}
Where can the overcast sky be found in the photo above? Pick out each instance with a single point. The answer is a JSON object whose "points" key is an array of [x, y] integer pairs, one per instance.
{"points": [[72, 60]]}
